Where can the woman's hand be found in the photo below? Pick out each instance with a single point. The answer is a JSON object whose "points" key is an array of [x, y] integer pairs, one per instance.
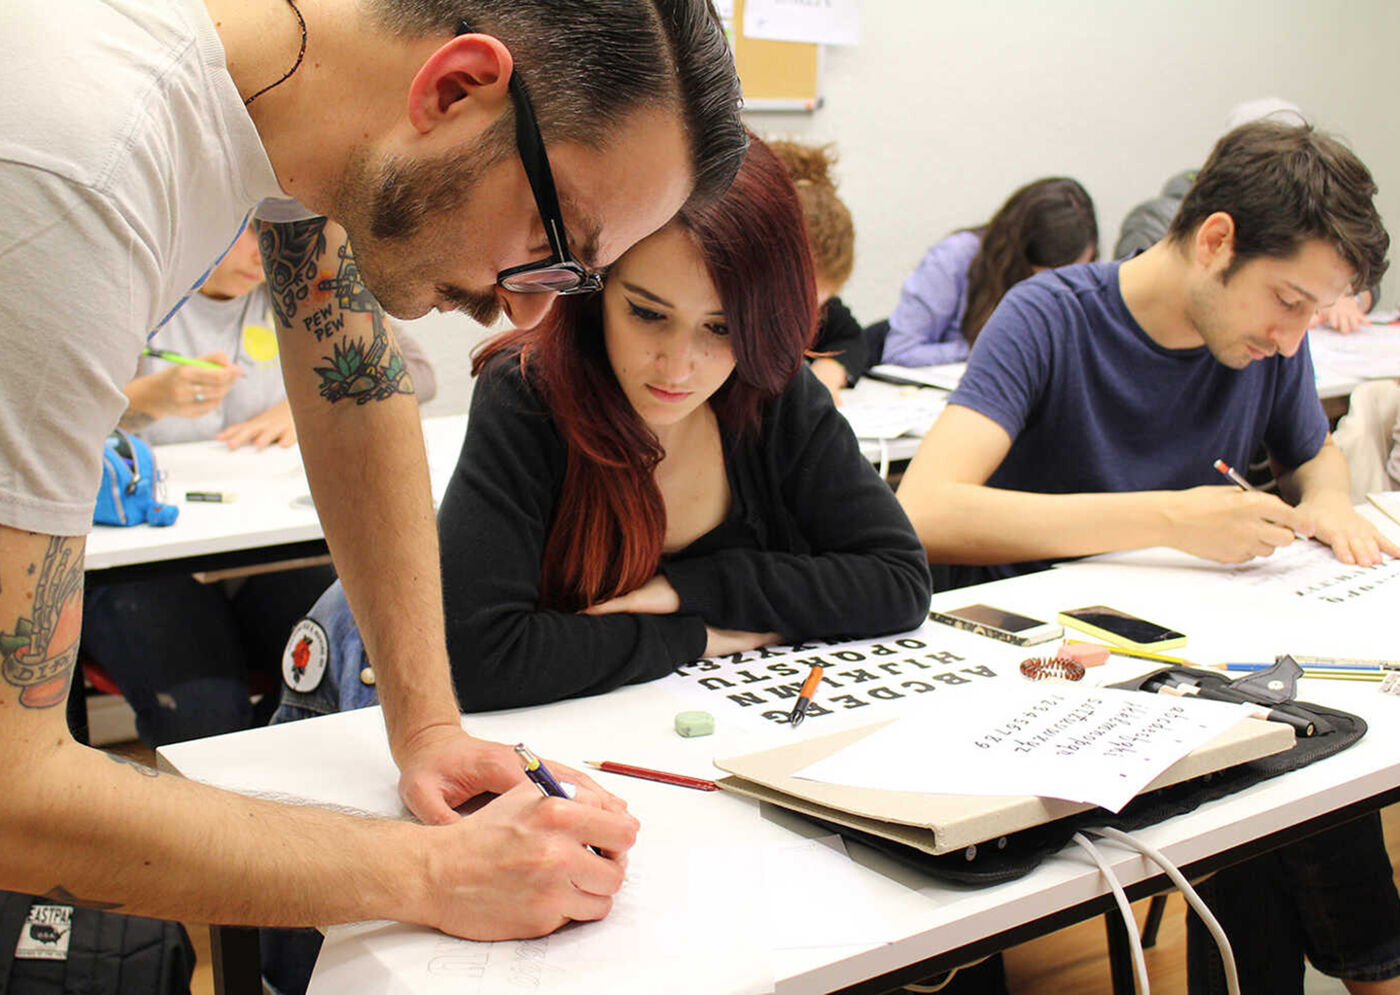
{"points": [[1346, 316], [262, 430], [831, 373], [719, 642], [184, 391], [655, 597]]}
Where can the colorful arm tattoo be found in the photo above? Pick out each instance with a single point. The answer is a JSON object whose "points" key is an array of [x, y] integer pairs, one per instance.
{"points": [[357, 371], [38, 653]]}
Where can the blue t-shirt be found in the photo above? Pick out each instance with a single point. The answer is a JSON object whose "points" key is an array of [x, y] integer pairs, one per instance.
{"points": [[1093, 404]]}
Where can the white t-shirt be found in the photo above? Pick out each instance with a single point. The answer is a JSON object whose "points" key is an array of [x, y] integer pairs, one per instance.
{"points": [[127, 163], [242, 328]]}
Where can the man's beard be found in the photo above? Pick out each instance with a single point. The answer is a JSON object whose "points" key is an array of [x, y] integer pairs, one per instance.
{"points": [[482, 307], [1203, 309], [387, 203]]}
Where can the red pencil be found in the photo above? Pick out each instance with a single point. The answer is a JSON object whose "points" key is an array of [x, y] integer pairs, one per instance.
{"points": [[698, 783]]}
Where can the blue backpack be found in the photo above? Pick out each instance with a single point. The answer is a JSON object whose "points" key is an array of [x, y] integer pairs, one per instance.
{"points": [[127, 495]]}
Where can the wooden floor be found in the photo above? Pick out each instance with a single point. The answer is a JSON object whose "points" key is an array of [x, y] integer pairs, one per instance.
{"points": [[1072, 960]]}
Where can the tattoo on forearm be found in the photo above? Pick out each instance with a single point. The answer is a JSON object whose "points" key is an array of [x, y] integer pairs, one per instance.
{"points": [[357, 370], [58, 893], [135, 765], [37, 654], [291, 253]]}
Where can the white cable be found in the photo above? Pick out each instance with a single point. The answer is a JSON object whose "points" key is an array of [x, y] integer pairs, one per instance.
{"points": [[922, 989], [1227, 956], [925, 988], [1124, 908], [884, 458]]}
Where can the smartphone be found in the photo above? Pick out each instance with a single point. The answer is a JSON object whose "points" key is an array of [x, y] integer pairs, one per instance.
{"points": [[1121, 629], [998, 623]]}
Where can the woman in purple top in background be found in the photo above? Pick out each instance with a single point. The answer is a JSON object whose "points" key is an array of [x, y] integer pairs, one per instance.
{"points": [[947, 300]]}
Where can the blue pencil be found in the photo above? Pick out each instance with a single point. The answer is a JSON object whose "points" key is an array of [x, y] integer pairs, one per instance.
{"points": [[1309, 666]]}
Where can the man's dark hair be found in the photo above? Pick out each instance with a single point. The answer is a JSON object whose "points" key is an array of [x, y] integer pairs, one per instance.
{"points": [[1284, 185], [589, 63]]}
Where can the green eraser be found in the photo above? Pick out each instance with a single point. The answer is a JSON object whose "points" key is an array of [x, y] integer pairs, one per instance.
{"points": [[695, 723]]}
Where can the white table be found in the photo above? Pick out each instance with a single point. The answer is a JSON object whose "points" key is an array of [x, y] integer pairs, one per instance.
{"points": [[272, 517], [890, 406], [344, 759]]}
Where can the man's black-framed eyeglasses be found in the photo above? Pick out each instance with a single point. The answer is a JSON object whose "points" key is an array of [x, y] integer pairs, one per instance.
{"points": [[561, 273]]}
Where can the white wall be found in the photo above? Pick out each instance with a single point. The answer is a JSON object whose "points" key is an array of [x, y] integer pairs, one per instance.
{"points": [[946, 107]]}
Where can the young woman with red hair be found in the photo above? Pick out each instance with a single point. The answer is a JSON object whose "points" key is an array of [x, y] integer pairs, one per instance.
{"points": [[653, 475]]}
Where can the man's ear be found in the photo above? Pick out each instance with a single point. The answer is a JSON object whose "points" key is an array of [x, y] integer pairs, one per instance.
{"points": [[1215, 241], [465, 80]]}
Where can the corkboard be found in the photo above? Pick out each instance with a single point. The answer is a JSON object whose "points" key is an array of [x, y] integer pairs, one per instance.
{"points": [[776, 75]]}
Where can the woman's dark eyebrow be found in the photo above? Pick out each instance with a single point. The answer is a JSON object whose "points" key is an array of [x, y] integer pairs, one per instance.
{"points": [[643, 292]]}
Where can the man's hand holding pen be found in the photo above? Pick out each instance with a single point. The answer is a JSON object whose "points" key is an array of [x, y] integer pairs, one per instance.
{"points": [[521, 866]]}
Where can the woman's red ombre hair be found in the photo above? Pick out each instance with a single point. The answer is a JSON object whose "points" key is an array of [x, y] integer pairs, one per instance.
{"points": [[610, 521]]}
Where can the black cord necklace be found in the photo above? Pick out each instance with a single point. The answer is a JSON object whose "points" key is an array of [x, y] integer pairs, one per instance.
{"points": [[301, 54]]}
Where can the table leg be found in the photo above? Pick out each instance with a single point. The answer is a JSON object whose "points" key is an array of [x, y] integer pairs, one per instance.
{"points": [[234, 951], [1153, 922], [1120, 955]]}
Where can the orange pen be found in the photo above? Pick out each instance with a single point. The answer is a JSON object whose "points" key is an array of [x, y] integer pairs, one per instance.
{"points": [[804, 698]]}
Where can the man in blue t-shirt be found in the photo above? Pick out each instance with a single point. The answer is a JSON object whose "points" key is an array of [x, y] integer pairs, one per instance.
{"points": [[1099, 396], [1095, 403]]}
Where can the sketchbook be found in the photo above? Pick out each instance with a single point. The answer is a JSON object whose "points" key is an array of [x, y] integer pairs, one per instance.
{"points": [[944, 823], [945, 376], [1388, 502]]}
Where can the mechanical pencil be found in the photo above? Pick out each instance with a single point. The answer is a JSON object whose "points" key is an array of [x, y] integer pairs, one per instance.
{"points": [[1229, 471], [1242, 484], [537, 772]]}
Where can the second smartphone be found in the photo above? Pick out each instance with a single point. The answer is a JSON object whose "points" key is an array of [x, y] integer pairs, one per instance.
{"points": [[1121, 629]]}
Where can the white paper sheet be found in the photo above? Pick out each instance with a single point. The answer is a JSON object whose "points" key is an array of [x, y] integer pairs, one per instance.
{"points": [[1304, 569], [674, 902], [818, 897], [889, 419], [1095, 745], [1367, 353], [830, 22]]}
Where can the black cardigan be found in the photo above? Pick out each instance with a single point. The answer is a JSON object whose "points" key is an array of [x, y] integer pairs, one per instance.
{"points": [[814, 545], [841, 335]]}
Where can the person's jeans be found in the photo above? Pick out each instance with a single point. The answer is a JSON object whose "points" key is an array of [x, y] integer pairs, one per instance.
{"points": [[1330, 896], [341, 687], [181, 651]]}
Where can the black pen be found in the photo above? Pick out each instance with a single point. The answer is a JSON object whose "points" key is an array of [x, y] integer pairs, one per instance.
{"points": [[805, 696], [540, 775]]}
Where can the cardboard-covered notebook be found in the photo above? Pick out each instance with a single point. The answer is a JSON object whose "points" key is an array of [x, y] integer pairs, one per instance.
{"points": [[938, 823]]}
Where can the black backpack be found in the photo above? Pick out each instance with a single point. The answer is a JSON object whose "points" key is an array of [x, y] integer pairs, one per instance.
{"points": [[66, 950]]}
